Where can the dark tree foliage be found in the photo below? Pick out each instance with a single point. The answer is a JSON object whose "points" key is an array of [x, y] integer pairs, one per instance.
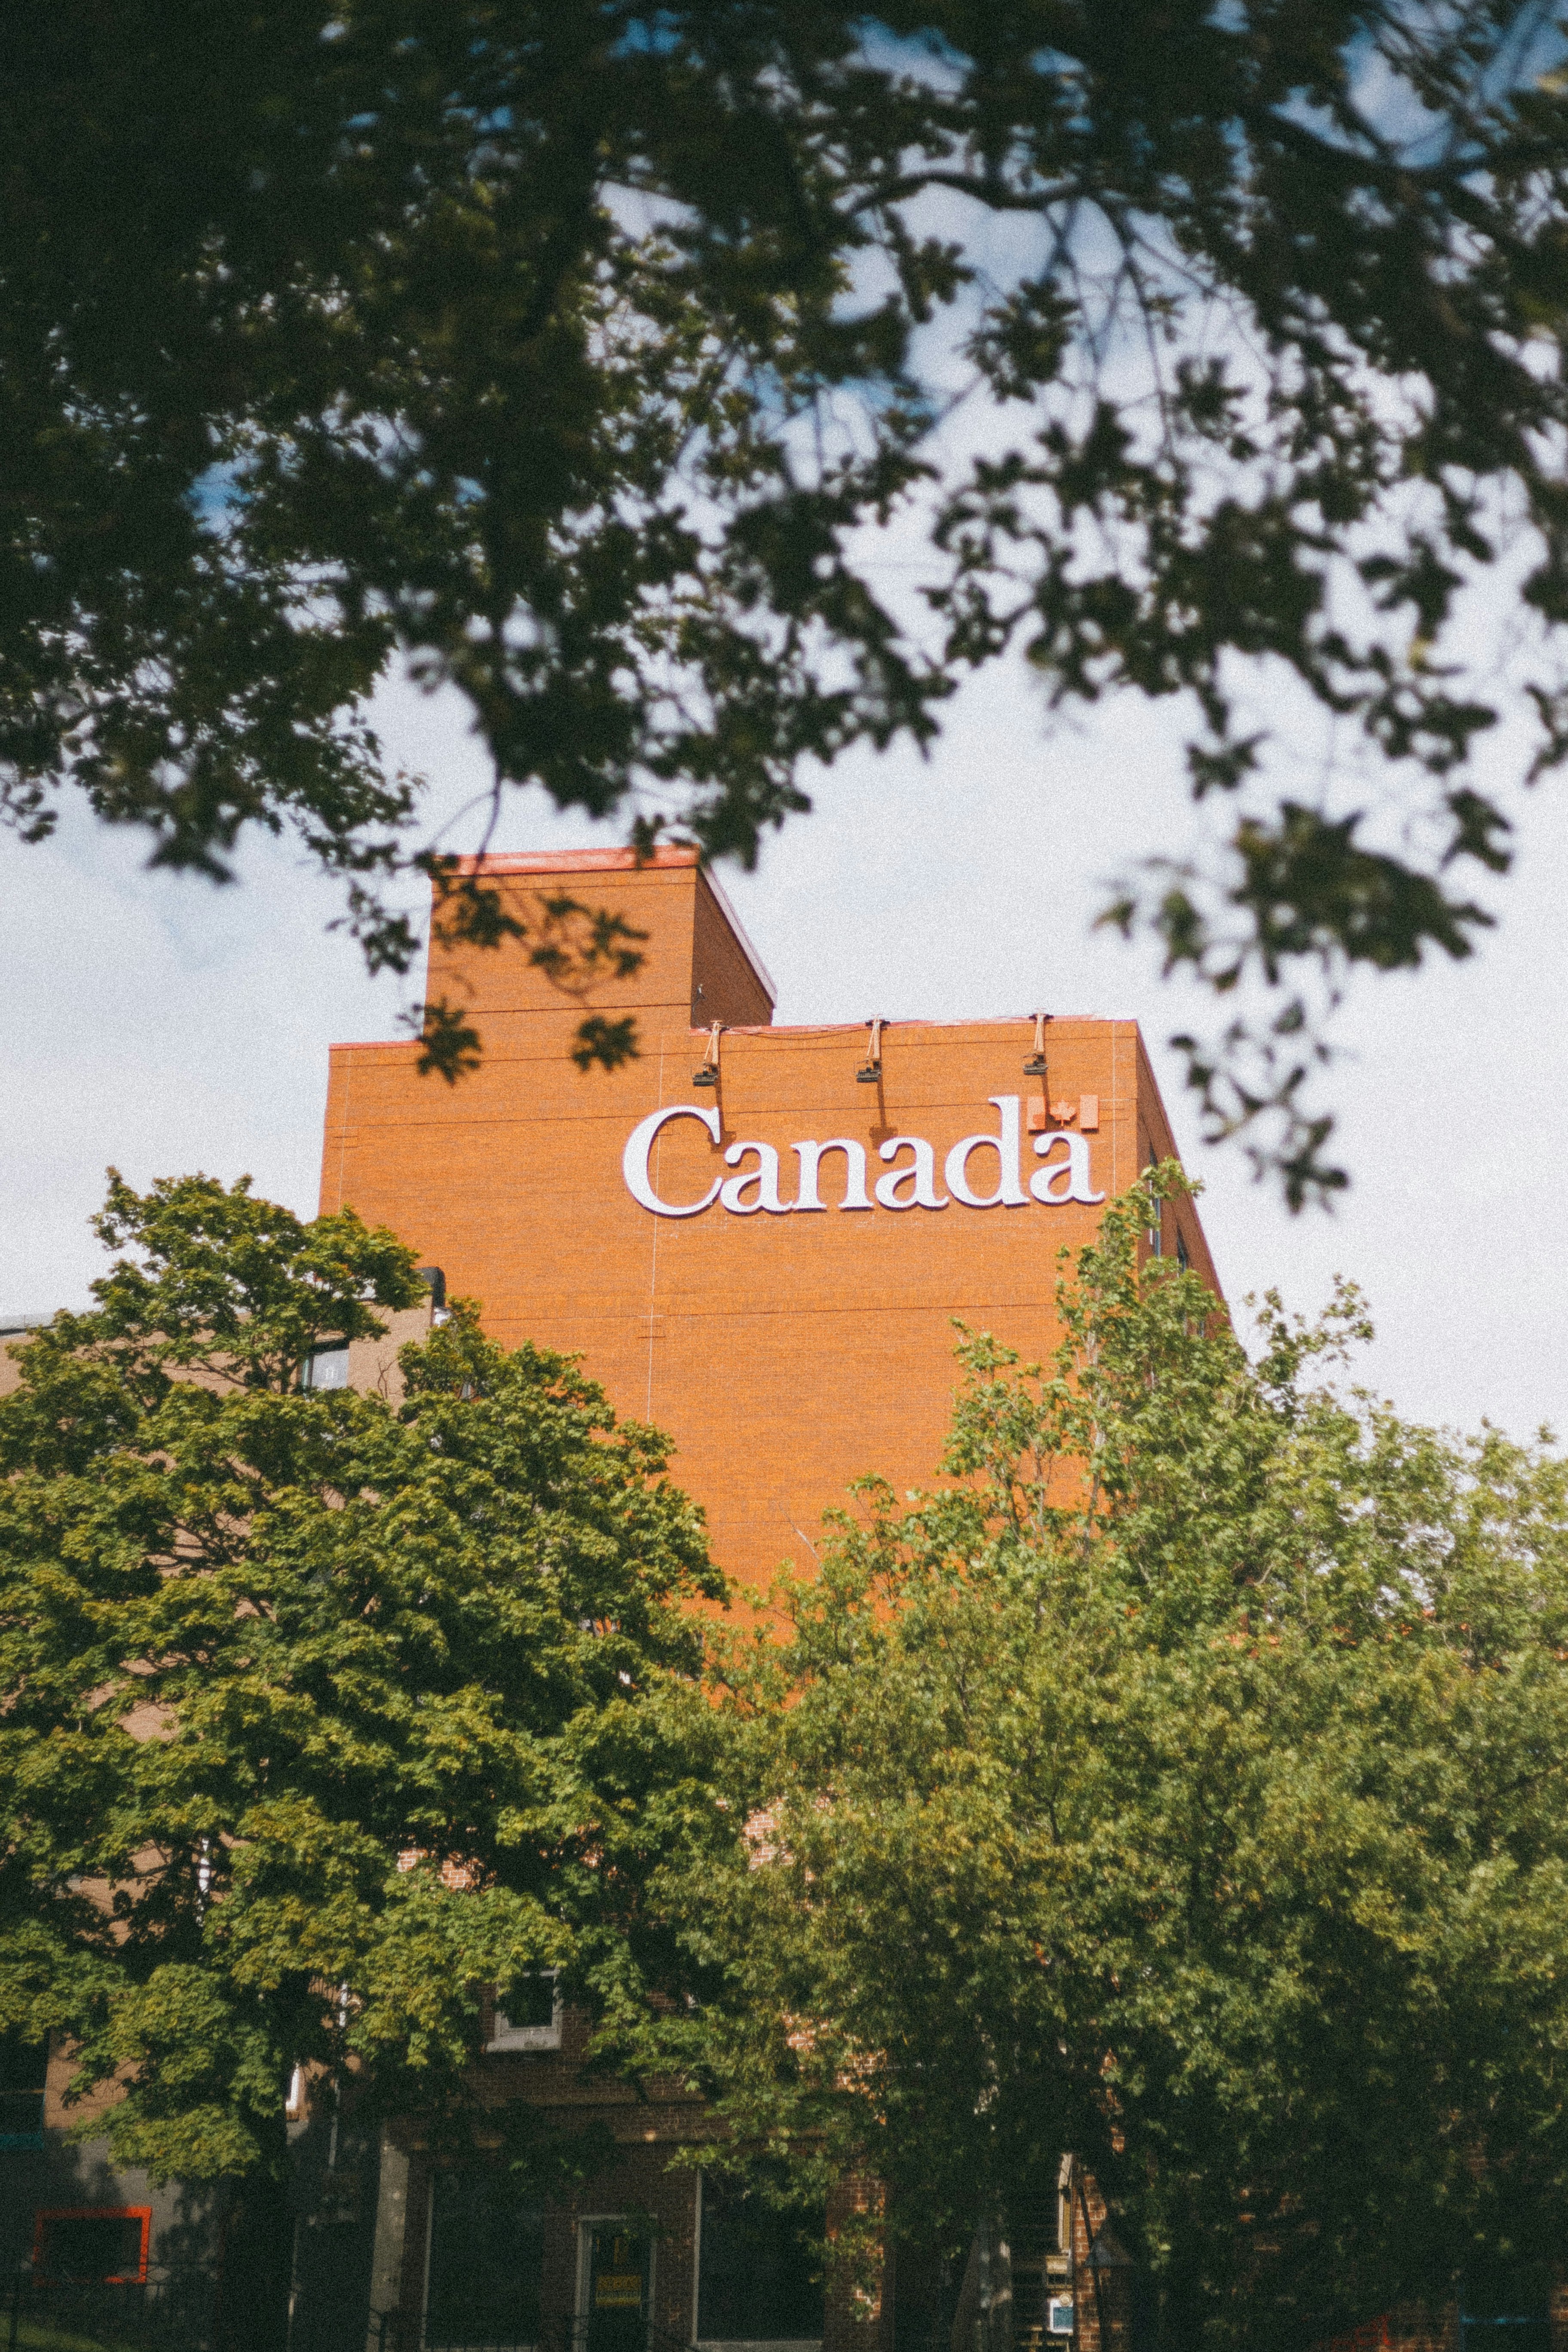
{"points": [[321, 1712], [564, 354]]}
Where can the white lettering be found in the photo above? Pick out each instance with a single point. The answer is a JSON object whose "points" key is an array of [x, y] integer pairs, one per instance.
{"points": [[923, 1173], [1045, 1182], [1009, 1192], [764, 1176], [635, 1159], [854, 1172], [1066, 1174]]}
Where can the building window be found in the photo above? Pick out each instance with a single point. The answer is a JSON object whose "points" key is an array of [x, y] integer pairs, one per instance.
{"points": [[98, 2245], [328, 1367], [1184, 1260], [1506, 2307], [23, 2066], [487, 2261], [531, 2019], [759, 2271]]}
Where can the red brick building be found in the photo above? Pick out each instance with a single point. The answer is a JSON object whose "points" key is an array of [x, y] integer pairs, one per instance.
{"points": [[827, 1204]]}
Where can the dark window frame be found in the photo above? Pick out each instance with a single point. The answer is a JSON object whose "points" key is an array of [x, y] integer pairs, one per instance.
{"points": [[508, 2036], [336, 1351], [45, 2214]]}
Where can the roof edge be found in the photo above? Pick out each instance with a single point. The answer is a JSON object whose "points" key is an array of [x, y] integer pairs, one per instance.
{"points": [[722, 898]]}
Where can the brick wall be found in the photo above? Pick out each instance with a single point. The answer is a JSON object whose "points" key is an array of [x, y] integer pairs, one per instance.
{"points": [[788, 1354]]}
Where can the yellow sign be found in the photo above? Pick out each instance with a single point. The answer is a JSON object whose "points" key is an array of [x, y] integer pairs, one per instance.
{"points": [[618, 2286], [616, 2290]]}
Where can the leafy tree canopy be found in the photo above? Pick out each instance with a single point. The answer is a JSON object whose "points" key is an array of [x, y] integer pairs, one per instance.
{"points": [[1185, 1785], [573, 356], [322, 1711]]}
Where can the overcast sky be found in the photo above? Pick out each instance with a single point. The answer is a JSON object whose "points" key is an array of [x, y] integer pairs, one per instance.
{"points": [[165, 1026]]}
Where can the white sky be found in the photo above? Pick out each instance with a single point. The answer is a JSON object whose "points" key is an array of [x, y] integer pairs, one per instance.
{"points": [[165, 1027]]}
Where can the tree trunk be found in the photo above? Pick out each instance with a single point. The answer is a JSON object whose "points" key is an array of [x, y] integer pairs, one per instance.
{"points": [[255, 2262]]}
